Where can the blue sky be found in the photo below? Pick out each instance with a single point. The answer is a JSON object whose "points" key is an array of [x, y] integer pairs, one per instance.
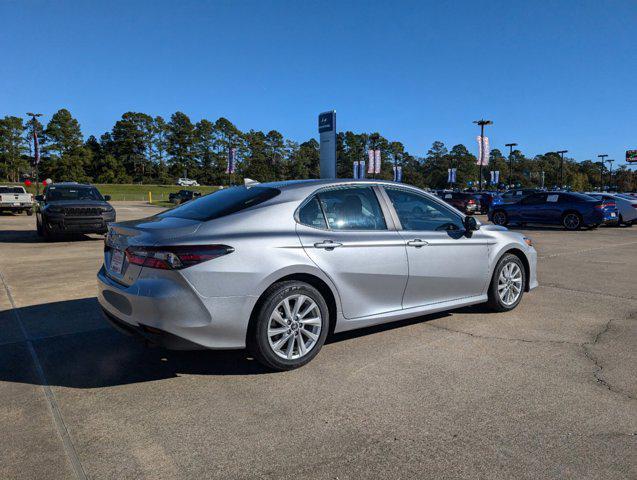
{"points": [[551, 75]]}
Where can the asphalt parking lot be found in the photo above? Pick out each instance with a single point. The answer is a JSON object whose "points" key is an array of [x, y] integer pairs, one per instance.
{"points": [[546, 391]]}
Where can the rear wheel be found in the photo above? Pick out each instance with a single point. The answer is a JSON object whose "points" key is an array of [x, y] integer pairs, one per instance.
{"points": [[290, 327], [29, 212], [572, 221], [500, 218], [508, 284]]}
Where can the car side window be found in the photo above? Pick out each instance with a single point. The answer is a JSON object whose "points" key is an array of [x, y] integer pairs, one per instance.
{"points": [[311, 214], [535, 199], [418, 212], [354, 208]]}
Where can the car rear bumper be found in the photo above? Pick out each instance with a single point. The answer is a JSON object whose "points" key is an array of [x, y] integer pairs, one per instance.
{"points": [[11, 206], [165, 309]]}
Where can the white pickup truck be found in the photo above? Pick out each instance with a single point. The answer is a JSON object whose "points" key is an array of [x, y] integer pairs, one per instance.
{"points": [[15, 199]]}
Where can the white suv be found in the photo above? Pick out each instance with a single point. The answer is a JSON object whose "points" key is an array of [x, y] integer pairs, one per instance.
{"points": [[187, 182]]}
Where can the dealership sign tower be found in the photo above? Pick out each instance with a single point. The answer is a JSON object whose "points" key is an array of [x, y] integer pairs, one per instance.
{"points": [[327, 132]]}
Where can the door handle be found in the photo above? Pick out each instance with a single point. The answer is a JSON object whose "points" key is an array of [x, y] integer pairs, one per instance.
{"points": [[417, 242], [328, 244]]}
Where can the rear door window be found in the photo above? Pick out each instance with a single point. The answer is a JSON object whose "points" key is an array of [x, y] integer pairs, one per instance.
{"points": [[354, 208], [222, 202]]}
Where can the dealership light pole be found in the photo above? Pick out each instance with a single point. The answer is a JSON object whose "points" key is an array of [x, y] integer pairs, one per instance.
{"points": [[36, 149], [482, 122], [601, 173], [561, 153], [511, 145]]}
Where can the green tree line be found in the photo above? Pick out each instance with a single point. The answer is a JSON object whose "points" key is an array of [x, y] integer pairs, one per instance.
{"points": [[142, 148]]}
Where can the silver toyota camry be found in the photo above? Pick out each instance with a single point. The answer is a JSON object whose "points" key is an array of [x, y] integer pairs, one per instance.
{"points": [[276, 267]]}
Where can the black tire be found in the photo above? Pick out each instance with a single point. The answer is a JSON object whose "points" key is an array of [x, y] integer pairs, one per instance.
{"points": [[501, 218], [495, 302], [38, 228], [258, 340], [29, 212], [572, 221]]}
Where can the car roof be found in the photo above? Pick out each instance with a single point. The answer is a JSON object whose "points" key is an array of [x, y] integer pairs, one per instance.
{"points": [[69, 184]]}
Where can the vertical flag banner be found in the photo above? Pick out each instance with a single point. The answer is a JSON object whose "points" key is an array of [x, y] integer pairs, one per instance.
{"points": [[399, 173], [492, 176], [232, 154], [361, 169], [376, 161], [483, 150], [496, 174], [370, 163], [355, 176], [395, 170], [453, 175], [448, 175]]}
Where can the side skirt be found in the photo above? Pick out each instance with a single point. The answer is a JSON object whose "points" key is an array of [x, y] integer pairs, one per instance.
{"points": [[344, 325]]}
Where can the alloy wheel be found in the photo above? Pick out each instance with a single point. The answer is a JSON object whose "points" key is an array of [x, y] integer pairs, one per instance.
{"points": [[571, 221], [510, 283], [499, 218], [294, 327]]}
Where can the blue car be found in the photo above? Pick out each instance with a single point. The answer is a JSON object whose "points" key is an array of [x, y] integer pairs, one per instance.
{"points": [[571, 210]]}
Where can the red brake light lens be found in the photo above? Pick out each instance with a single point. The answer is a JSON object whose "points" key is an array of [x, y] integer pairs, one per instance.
{"points": [[175, 257]]}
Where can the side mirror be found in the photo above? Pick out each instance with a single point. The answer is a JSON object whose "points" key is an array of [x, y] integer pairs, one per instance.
{"points": [[39, 198], [107, 198], [471, 224]]}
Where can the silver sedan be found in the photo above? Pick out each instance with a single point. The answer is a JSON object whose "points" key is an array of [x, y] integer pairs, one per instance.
{"points": [[277, 267]]}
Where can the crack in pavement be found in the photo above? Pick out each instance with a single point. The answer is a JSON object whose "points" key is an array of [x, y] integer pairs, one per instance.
{"points": [[510, 339], [584, 346], [598, 366], [591, 292]]}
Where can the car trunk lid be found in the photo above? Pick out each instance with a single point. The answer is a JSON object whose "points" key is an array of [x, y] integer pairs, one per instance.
{"points": [[145, 232]]}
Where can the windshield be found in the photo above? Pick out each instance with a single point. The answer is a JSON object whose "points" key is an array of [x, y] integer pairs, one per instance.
{"points": [[221, 203], [73, 193], [11, 190]]}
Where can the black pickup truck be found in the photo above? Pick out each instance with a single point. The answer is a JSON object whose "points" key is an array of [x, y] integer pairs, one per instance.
{"points": [[72, 208]]}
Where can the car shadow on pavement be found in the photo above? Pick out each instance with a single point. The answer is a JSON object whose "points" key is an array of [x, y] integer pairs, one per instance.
{"points": [[77, 348], [31, 236]]}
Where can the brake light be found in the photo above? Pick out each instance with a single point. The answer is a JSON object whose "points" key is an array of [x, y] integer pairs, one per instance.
{"points": [[471, 200], [175, 257]]}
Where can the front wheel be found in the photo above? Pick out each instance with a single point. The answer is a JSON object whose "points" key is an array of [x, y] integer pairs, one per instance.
{"points": [[290, 327], [508, 284]]}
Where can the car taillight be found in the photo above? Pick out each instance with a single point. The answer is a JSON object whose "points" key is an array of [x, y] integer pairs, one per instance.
{"points": [[471, 201], [175, 257]]}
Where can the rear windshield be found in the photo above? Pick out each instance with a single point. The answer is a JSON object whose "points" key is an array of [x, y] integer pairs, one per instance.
{"points": [[581, 197], [222, 202], [11, 190], [73, 193]]}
